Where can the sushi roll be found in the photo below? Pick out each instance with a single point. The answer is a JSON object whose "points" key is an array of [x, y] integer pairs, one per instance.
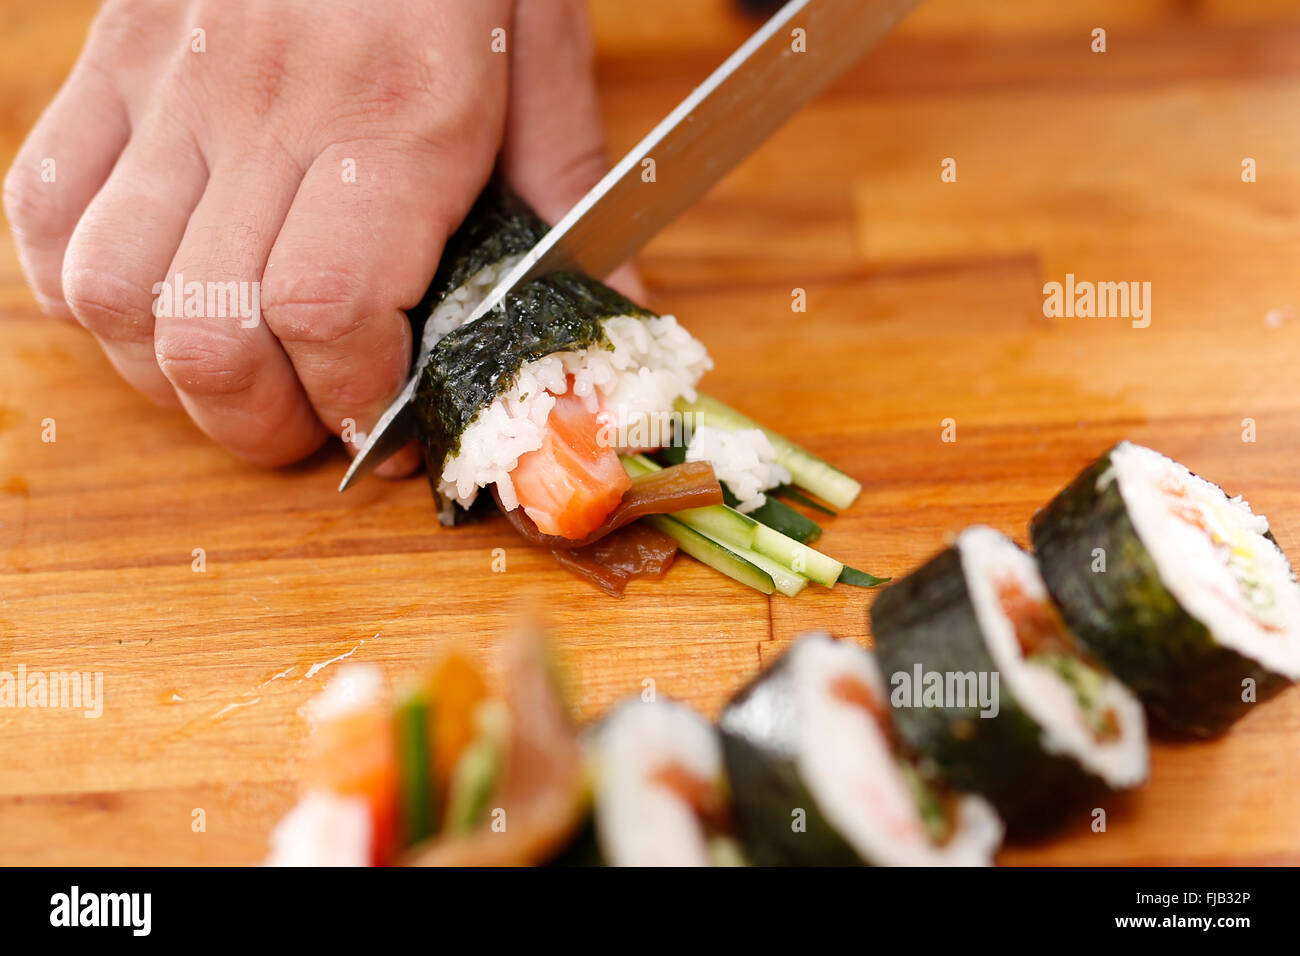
{"points": [[499, 229], [447, 774], [988, 684], [659, 793], [1178, 588], [819, 779], [533, 402]]}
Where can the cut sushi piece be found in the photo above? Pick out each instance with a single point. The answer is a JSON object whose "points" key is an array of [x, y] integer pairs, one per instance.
{"points": [[348, 814], [527, 798], [353, 753], [508, 771], [324, 829], [1179, 589], [817, 778], [660, 796], [989, 685], [487, 394]]}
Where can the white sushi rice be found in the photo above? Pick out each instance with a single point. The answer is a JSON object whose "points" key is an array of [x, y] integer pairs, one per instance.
{"points": [[354, 687], [851, 770], [1230, 577], [640, 821], [459, 304], [323, 829], [989, 557], [652, 362], [744, 461]]}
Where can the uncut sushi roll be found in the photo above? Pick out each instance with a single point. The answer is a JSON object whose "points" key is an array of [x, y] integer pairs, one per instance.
{"points": [[1178, 588], [535, 401], [532, 403], [818, 778], [989, 685], [659, 793], [498, 230]]}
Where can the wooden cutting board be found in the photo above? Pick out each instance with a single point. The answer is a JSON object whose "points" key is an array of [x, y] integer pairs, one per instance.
{"points": [[924, 306]]}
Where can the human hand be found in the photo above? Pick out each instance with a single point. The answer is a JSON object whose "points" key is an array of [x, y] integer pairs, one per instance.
{"points": [[316, 153]]}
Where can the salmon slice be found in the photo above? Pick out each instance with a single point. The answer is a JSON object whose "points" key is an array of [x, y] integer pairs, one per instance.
{"points": [[571, 484], [354, 755]]}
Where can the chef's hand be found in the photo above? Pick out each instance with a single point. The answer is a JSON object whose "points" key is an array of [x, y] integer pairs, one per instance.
{"points": [[324, 149]]}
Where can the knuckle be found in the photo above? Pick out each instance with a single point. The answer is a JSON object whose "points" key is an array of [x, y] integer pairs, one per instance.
{"points": [[34, 214], [203, 361], [110, 306], [580, 170], [318, 308], [352, 387]]}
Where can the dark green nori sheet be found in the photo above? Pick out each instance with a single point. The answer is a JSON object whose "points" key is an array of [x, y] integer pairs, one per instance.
{"points": [[760, 733], [927, 618], [498, 226], [1127, 617], [469, 368]]}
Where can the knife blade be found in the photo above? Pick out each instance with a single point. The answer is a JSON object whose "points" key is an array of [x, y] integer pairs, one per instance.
{"points": [[788, 61]]}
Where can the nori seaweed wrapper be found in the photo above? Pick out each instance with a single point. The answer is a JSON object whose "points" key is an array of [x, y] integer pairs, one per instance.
{"points": [[760, 733], [498, 226], [928, 618], [1188, 681], [472, 366]]}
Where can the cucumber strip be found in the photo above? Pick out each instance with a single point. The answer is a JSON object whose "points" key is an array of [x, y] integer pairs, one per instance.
{"points": [[779, 516], [779, 555], [724, 525], [717, 556], [808, 471], [638, 465], [671, 455], [472, 784], [786, 581], [774, 513], [721, 523], [797, 557], [414, 779], [794, 494], [860, 579]]}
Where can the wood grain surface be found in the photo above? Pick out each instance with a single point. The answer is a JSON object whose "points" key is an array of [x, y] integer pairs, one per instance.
{"points": [[924, 303]]}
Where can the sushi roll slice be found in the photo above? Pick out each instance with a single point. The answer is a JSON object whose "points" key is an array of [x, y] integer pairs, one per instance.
{"points": [[1178, 588], [818, 778], [446, 775], [660, 795], [988, 684]]}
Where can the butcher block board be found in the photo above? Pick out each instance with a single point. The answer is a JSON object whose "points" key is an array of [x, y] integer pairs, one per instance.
{"points": [[924, 309]]}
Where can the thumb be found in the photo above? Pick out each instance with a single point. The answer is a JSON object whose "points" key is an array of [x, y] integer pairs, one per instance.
{"points": [[554, 146]]}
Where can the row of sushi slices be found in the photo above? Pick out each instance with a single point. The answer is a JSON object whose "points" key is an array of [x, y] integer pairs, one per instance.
{"points": [[576, 410], [1005, 694], [803, 768], [1153, 593]]}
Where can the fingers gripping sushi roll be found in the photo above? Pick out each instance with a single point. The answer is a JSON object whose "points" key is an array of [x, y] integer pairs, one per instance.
{"points": [[988, 684], [1178, 588], [818, 779], [659, 791]]}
